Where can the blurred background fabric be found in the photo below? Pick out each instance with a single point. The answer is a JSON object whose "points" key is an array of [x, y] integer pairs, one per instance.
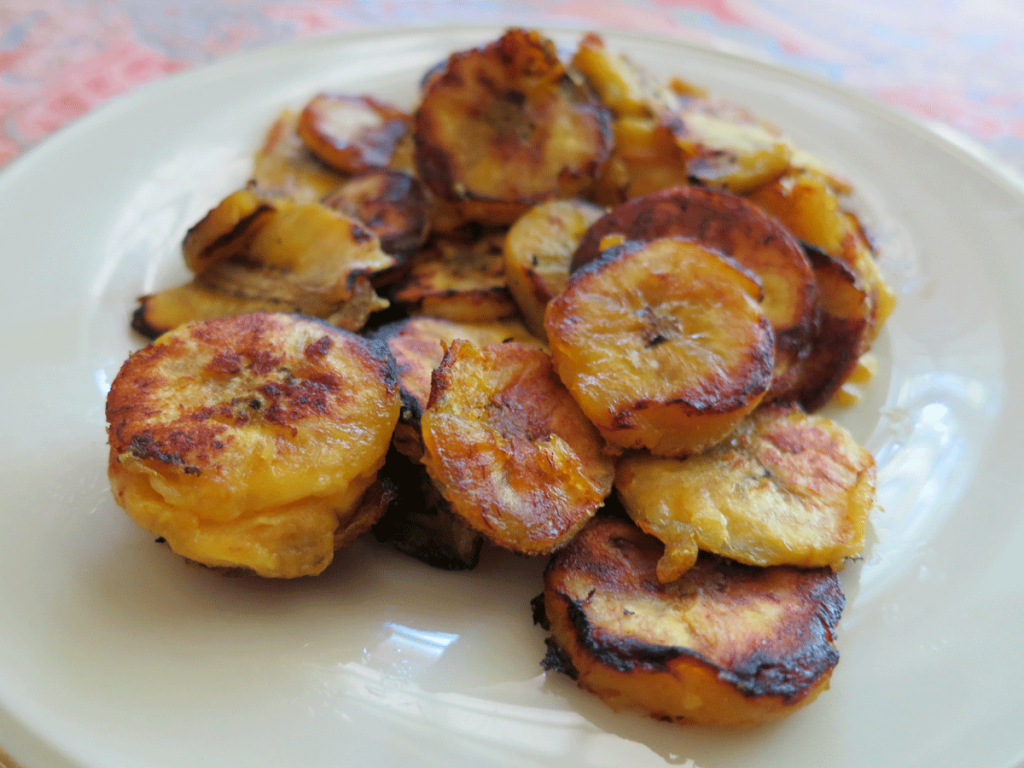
{"points": [[959, 63]]}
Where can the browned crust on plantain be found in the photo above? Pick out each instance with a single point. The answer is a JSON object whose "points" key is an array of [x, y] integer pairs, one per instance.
{"points": [[538, 249], [507, 100], [842, 335], [510, 450], [372, 507], [786, 488], [251, 441], [615, 624], [737, 228], [459, 280], [418, 345], [352, 133], [391, 204], [190, 439], [663, 344], [421, 524], [226, 230]]}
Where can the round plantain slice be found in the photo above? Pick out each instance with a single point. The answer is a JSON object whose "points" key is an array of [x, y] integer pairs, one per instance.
{"points": [[538, 250], [786, 488], [730, 225], [725, 644], [251, 441], [352, 133], [418, 345], [663, 344], [505, 126], [510, 450]]}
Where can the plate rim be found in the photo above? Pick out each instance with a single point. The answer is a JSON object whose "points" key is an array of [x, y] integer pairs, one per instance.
{"points": [[937, 133]]}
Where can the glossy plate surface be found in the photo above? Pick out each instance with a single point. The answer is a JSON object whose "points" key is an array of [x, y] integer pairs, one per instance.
{"points": [[115, 653]]}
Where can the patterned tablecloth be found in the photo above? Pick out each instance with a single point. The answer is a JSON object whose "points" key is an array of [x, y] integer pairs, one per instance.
{"points": [[959, 62]]}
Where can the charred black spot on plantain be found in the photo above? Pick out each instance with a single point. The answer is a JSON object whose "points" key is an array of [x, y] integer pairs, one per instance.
{"points": [[539, 612], [620, 654], [557, 660]]}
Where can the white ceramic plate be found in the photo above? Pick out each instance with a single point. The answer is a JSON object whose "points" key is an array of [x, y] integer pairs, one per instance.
{"points": [[114, 653]]}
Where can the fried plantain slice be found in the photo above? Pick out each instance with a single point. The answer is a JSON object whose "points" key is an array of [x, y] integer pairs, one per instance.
{"points": [[227, 230], [806, 204], [283, 163], [421, 524], [712, 143], [727, 147], [786, 488], [725, 644], [459, 280], [391, 204], [621, 84], [510, 450], [842, 337], [236, 289], [735, 227], [504, 127], [250, 441], [418, 345], [302, 257], [538, 250], [664, 345], [646, 158], [352, 133]]}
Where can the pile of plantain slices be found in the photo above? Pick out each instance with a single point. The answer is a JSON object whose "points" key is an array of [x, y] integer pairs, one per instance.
{"points": [[562, 308]]}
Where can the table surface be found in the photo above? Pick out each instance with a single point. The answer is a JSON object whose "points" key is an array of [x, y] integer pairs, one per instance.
{"points": [[957, 62]]}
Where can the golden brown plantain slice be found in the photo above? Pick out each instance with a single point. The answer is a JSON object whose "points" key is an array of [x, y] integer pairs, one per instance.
{"points": [[726, 644], [621, 85], [283, 163], [810, 209], [391, 204], [711, 143], [505, 126], [785, 489], [727, 147], [227, 230], [250, 441], [730, 225], [236, 289], [418, 345], [352, 133], [303, 257], [663, 344], [459, 280], [842, 338], [421, 524], [538, 250], [510, 450], [646, 158]]}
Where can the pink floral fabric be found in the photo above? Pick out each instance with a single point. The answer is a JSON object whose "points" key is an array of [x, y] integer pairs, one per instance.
{"points": [[960, 62]]}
